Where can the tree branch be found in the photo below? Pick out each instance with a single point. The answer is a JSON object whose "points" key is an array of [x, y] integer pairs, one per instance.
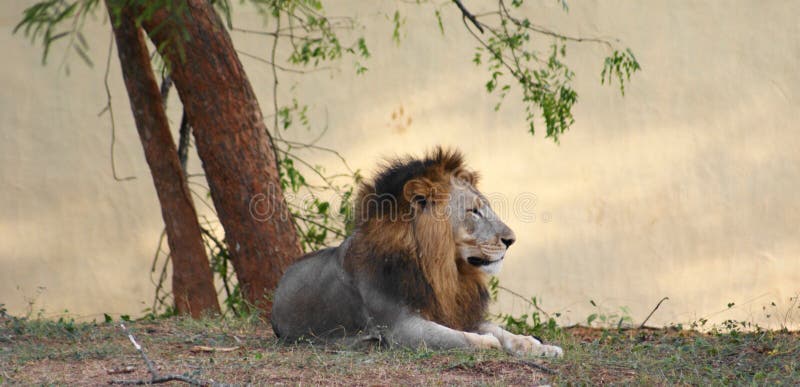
{"points": [[183, 143], [543, 31], [282, 68], [465, 12], [110, 109], [166, 85]]}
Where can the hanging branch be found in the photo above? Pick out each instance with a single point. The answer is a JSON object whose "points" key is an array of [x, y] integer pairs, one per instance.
{"points": [[468, 15], [544, 78], [110, 109]]}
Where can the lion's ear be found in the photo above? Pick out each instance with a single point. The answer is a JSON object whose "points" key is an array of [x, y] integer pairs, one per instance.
{"points": [[417, 191], [467, 176]]}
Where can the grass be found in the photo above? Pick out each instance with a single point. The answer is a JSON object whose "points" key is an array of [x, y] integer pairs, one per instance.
{"points": [[67, 352], [672, 356]]}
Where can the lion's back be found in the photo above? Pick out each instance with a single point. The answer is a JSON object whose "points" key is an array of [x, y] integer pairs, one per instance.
{"points": [[316, 298]]}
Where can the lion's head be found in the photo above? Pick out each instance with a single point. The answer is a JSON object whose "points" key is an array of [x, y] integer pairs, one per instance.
{"points": [[424, 233], [481, 238]]}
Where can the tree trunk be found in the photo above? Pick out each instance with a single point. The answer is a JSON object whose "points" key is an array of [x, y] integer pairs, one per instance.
{"points": [[192, 281], [233, 143]]}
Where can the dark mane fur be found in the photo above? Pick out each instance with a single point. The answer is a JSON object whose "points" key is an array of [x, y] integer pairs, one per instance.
{"points": [[408, 254], [383, 196]]}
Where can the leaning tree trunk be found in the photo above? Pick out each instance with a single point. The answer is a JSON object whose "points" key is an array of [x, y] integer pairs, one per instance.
{"points": [[233, 143], [192, 281]]}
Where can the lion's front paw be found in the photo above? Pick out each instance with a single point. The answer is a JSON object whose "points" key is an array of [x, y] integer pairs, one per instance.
{"points": [[527, 345], [486, 341], [551, 351]]}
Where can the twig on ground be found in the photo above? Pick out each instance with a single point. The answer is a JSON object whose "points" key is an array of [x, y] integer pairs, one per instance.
{"points": [[155, 378], [652, 311], [205, 348], [150, 366]]}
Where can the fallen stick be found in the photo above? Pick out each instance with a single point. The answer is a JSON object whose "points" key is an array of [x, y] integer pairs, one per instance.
{"points": [[155, 378], [203, 348], [124, 370]]}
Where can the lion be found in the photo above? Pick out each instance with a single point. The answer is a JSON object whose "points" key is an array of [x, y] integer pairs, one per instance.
{"points": [[415, 270]]}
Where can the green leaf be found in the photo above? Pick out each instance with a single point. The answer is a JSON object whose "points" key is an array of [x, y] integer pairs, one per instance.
{"points": [[362, 48], [83, 55], [398, 22]]}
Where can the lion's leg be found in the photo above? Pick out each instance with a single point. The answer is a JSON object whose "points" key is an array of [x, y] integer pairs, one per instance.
{"points": [[520, 344], [415, 332]]}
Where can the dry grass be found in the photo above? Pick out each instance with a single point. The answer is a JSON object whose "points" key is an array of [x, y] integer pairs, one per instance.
{"points": [[64, 352]]}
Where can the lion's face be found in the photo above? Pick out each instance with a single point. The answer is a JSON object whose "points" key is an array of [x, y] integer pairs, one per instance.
{"points": [[481, 237]]}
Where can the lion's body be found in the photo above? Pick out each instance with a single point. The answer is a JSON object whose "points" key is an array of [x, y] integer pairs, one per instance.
{"points": [[331, 296], [350, 303], [414, 271]]}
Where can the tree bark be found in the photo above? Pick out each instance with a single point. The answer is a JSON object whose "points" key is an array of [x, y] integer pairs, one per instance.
{"points": [[192, 280], [234, 145]]}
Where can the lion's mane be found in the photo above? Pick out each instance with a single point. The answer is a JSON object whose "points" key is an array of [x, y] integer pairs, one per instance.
{"points": [[403, 244]]}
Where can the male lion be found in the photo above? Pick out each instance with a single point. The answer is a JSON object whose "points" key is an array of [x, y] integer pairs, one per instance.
{"points": [[415, 270]]}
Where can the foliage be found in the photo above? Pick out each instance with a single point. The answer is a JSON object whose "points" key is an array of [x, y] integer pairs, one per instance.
{"points": [[607, 319], [621, 65], [545, 88], [510, 52], [511, 55], [319, 221], [51, 20], [534, 322]]}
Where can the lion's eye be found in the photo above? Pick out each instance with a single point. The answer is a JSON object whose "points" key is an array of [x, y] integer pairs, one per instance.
{"points": [[474, 211]]}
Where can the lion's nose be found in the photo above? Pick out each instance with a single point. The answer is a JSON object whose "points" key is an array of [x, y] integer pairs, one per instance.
{"points": [[508, 242]]}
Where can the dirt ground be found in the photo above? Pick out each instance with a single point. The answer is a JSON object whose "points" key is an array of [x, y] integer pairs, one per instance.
{"points": [[95, 354], [238, 352]]}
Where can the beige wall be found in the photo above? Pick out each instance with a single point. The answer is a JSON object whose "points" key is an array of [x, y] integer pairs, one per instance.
{"points": [[686, 187]]}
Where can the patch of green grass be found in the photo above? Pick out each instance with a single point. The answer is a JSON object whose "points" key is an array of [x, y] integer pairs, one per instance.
{"points": [[62, 339], [668, 356]]}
